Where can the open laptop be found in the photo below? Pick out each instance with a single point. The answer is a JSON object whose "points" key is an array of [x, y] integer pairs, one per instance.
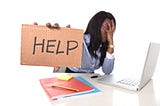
{"points": [[148, 70]]}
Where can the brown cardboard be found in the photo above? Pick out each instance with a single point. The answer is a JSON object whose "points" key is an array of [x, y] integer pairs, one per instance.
{"points": [[42, 46]]}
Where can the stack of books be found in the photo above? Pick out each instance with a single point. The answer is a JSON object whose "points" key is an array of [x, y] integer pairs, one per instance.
{"points": [[56, 87]]}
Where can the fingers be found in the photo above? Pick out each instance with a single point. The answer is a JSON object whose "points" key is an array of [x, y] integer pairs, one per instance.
{"points": [[68, 26], [56, 25], [35, 23], [48, 25], [110, 27], [113, 26]]}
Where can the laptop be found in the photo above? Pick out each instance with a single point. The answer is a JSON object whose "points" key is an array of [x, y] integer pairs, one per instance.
{"points": [[133, 84]]}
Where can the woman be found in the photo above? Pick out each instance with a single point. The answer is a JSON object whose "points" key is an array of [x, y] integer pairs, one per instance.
{"points": [[98, 47]]}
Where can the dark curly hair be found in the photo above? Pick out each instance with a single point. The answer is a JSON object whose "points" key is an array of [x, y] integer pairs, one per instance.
{"points": [[94, 29]]}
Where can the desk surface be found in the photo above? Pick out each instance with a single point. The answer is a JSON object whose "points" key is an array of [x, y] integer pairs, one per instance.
{"points": [[24, 89]]}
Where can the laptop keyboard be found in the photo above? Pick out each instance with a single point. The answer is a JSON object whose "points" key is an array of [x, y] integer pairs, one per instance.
{"points": [[129, 82]]}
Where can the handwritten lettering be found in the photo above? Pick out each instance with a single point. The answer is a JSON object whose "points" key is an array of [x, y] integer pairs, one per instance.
{"points": [[53, 46]]}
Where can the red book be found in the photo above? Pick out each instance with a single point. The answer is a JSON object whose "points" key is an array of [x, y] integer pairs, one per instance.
{"points": [[58, 92]]}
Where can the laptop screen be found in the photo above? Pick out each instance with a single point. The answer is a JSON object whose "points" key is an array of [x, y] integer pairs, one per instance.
{"points": [[150, 63]]}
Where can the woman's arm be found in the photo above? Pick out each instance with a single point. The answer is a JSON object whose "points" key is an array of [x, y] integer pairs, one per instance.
{"points": [[108, 63]]}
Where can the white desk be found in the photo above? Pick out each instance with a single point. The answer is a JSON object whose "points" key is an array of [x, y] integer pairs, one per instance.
{"points": [[24, 89]]}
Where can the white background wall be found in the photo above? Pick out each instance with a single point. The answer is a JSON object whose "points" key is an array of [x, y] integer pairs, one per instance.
{"points": [[137, 24]]}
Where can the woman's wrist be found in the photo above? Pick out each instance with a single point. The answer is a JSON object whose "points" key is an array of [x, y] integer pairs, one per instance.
{"points": [[110, 50], [110, 47]]}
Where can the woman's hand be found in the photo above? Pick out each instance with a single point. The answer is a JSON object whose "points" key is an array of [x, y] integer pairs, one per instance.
{"points": [[35, 23], [110, 30], [56, 25]]}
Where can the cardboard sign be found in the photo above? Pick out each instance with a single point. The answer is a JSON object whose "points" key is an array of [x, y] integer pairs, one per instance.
{"points": [[42, 46]]}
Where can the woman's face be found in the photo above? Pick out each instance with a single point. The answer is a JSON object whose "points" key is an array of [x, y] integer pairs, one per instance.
{"points": [[104, 27]]}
